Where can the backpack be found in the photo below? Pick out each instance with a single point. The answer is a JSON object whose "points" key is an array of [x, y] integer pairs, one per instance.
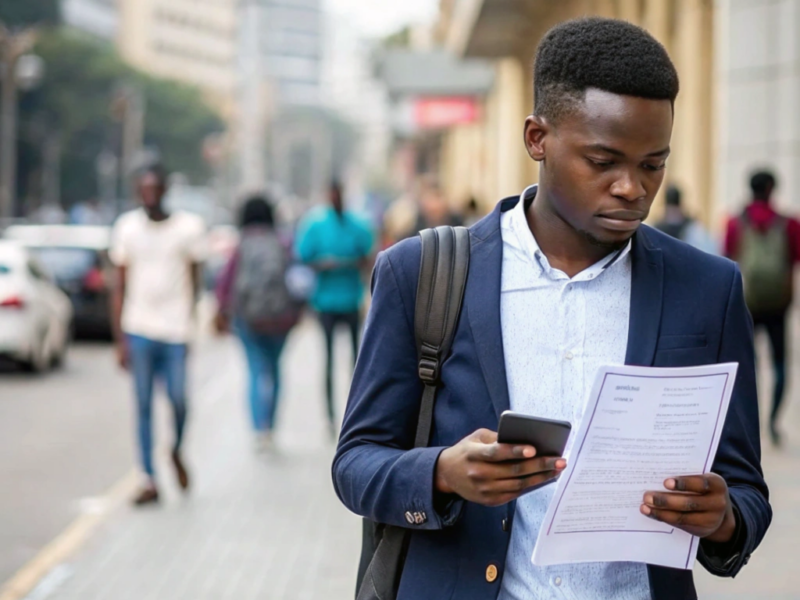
{"points": [[443, 271], [261, 297], [764, 259]]}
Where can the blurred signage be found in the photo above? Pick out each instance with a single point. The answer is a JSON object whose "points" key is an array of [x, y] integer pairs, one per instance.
{"points": [[435, 113]]}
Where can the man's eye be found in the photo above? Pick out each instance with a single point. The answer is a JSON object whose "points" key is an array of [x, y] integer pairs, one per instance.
{"points": [[601, 163], [655, 167]]}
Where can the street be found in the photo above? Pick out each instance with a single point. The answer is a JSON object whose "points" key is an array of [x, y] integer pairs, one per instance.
{"points": [[64, 437], [253, 526]]}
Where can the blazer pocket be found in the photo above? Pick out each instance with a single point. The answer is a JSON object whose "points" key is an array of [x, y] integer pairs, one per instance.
{"points": [[681, 342]]}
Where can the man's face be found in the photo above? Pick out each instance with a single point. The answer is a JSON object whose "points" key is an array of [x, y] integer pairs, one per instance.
{"points": [[603, 163], [151, 191]]}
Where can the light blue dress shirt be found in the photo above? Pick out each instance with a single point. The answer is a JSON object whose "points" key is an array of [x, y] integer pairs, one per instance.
{"points": [[556, 332]]}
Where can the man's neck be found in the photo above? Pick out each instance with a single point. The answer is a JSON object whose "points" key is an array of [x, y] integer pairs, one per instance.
{"points": [[157, 214], [565, 248]]}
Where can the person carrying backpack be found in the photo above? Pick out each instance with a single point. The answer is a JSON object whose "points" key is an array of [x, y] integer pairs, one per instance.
{"points": [[766, 245], [253, 297]]}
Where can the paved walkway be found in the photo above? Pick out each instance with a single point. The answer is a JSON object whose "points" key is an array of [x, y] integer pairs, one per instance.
{"points": [[254, 526], [271, 528]]}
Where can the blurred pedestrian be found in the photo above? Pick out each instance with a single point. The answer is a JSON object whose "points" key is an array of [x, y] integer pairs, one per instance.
{"points": [[337, 244], [681, 226], [434, 209], [253, 296], [766, 244], [158, 256]]}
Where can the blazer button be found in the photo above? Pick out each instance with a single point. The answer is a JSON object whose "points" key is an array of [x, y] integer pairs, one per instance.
{"points": [[410, 518], [504, 525], [420, 518], [491, 573]]}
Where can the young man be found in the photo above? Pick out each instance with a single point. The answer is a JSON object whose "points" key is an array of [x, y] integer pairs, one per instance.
{"points": [[337, 244], [563, 279], [158, 257], [766, 245]]}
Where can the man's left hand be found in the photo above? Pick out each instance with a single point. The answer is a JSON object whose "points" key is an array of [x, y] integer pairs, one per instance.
{"points": [[697, 504]]}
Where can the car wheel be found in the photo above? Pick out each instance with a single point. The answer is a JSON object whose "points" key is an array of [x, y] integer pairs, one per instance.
{"points": [[38, 361], [60, 355]]}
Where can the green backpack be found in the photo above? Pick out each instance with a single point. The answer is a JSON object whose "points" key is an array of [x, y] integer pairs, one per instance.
{"points": [[764, 259]]}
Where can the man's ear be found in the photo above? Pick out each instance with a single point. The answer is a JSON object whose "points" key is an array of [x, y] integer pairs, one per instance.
{"points": [[536, 129]]}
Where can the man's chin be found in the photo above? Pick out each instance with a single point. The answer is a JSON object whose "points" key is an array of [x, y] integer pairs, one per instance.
{"points": [[611, 241]]}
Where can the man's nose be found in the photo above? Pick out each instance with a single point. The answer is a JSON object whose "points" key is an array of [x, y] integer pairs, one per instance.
{"points": [[628, 187]]}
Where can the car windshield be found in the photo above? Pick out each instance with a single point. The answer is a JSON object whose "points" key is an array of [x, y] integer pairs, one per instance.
{"points": [[66, 263]]}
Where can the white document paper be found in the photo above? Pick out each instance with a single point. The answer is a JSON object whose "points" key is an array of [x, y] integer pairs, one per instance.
{"points": [[641, 426]]}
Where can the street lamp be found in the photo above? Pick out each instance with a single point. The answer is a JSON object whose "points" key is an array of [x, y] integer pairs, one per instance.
{"points": [[19, 70]]}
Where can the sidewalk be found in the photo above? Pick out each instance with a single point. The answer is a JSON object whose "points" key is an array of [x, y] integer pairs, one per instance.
{"points": [[254, 526], [271, 528]]}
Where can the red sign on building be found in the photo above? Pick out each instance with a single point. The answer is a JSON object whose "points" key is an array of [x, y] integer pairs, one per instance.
{"points": [[436, 113]]}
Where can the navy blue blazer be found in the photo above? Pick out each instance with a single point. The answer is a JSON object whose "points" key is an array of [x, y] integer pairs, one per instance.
{"points": [[687, 308]]}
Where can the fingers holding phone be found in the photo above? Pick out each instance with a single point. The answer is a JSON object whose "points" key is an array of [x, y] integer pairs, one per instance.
{"points": [[482, 470]]}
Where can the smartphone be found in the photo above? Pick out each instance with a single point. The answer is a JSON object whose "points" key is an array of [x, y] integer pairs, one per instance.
{"points": [[548, 436]]}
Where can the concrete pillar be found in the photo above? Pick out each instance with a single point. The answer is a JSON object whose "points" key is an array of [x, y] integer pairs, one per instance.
{"points": [[605, 8], [691, 165], [511, 115], [630, 10], [657, 19]]}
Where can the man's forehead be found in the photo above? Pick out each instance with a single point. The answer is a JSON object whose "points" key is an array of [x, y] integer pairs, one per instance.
{"points": [[605, 117]]}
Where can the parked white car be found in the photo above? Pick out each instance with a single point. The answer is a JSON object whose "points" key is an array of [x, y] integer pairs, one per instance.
{"points": [[35, 316]]}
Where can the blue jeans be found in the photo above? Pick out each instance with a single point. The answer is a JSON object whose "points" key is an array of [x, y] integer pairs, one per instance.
{"points": [[150, 359], [263, 354]]}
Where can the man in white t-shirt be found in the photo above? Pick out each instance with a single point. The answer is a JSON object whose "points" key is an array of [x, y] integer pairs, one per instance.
{"points": [[158, 257]]}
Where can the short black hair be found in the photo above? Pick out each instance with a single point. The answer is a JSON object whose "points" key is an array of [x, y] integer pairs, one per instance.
{"points": [[673, 196], [156, 169], [762, 183], [607, 54], [257, 210]]}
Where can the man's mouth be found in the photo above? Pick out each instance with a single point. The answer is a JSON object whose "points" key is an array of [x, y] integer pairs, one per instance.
{"points": [[624, 220]]}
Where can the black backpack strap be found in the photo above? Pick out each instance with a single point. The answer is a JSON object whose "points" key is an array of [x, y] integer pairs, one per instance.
{"points": [[440, 292], [442, 278]]}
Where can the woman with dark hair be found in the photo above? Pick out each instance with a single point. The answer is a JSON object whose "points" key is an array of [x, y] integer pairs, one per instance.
{"points": [[252, 295]]}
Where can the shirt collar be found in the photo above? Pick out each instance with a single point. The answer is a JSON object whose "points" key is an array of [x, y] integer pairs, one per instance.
{"points": [[529, 245]]}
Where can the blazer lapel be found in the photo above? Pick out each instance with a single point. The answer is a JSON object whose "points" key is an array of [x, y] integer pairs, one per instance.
{"points": [[647, 286], [482, 303]]}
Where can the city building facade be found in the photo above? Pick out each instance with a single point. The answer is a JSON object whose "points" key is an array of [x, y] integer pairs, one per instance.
{"points": [[193, 41]]}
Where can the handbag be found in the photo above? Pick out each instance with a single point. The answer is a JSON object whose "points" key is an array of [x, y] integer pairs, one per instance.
{"points": [[443, 270]]}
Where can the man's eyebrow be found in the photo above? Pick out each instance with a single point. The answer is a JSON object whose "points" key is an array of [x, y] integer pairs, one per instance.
{"points": [[615, 152]]}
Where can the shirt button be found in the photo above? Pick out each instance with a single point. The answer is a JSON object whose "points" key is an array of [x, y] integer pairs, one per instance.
{"points": [[569, 356], [491, 573], [557, 581]]}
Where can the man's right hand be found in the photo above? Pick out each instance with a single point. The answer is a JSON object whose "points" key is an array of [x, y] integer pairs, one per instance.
{"points": [[481, 470], [123, 354]]}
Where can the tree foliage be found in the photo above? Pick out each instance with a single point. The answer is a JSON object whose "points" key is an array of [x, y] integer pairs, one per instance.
{"points": [[23, 13], [82, 77]]}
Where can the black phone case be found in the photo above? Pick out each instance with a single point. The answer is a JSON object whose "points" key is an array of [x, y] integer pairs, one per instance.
{"points": [[548, 436]]}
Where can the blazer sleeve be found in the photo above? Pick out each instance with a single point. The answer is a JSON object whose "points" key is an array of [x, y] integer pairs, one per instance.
{"points": [[376, 471], [738, 459]]}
